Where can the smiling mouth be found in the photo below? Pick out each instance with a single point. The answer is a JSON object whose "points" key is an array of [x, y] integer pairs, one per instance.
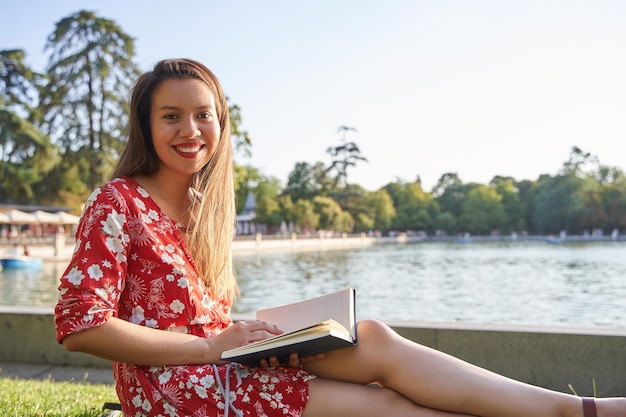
{"points": [[188, 148]]}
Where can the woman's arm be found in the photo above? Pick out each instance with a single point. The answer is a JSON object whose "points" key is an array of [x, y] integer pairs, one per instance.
{"points": [[122, 341]]}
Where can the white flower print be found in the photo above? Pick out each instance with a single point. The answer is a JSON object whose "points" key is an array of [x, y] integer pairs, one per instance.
{"points": [[207, 381], [143, 192], [165, 257], [95, 272], [207, 302], [112, 226], [170, 410], [140, 204], [116, 245], [178, 270], [182, 282], [177, 306], [102, 293], [137, 400], [75, 276], [153, 214], [178, 259], [94, 195], [201, 391], [138, 315], [165, 376], [146, 405]]}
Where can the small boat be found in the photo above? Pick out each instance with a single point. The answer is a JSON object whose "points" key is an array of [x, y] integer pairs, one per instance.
{"points": [[466, 238], [553, 240], [21, 262]]}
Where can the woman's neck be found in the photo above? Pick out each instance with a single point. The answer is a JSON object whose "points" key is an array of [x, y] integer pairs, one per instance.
{"points": [[171, 194]]}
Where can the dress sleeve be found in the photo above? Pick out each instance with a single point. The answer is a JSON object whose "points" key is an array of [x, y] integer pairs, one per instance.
{"points": [[90, 287]]}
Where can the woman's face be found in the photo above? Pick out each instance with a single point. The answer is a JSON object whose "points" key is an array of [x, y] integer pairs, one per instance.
{"points": [[185, 126]]}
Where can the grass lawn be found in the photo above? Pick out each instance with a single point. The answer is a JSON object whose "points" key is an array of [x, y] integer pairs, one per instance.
{"points": [[30, 398]]}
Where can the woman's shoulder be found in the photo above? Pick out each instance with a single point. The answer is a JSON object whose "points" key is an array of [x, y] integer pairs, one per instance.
{"points": [[118, 191], [120, 185]]}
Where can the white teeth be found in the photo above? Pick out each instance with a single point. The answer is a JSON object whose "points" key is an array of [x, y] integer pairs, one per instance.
{"points": [[188, 149]]}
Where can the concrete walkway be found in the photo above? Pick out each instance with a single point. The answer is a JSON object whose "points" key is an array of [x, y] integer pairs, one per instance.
{"points": [[56, 373]]}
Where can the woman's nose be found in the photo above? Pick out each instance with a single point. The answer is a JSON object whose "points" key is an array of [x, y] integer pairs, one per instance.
{"points": [[188, 128]]}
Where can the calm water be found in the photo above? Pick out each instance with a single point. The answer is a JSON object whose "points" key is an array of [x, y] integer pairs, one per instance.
{"points": [[528, 283]]}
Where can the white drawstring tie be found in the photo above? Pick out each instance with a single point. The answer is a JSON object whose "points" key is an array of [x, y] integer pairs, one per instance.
{"points": [[225, 390]]}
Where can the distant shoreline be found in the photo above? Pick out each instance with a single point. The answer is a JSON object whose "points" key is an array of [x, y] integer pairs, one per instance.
{"points": [[245, 244]]}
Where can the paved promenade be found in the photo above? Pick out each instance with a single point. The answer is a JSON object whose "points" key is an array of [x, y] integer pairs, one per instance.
{"points": [[56, 373]]}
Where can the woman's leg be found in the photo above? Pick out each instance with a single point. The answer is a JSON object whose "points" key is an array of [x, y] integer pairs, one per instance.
{"points": [[328, 398], [435, 380]]}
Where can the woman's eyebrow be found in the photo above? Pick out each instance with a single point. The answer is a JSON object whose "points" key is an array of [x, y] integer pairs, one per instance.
{"points": [[170, 107]]}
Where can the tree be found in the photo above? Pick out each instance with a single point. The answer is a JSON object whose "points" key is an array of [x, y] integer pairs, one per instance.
{"points": [[370, 210], [306, 219], [246, 179], [613, 197], [593, 215], [345, 155], [331, 214], [450, 192], [445, 223], [268, 210], [483, 212], [514, 208], [241, 138], [91, 70], [307, 181], [578, 160], [415, 209], [17, 83], [27, 155], [558, 203]]}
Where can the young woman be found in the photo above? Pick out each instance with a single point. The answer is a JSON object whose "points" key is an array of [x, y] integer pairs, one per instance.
{"points": [[151, 283]]}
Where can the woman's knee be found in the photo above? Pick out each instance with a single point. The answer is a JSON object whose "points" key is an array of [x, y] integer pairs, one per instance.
{"points": [[375, 330]]}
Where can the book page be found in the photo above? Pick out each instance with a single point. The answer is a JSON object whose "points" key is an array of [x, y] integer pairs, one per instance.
{"points": [[338, 306]]}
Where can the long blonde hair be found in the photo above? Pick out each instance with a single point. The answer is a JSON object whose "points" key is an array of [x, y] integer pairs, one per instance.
{"points": [[212, 228]]}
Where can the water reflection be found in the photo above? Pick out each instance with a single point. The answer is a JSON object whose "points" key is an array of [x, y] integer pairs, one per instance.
{"points": [[36, 288], [520, 283]]}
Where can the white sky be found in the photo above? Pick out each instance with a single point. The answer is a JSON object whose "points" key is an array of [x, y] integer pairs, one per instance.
{"points": [[480, 88]]}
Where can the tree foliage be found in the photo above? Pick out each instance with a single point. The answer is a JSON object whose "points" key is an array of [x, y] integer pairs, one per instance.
{"points": [[91, 70], [61, 132], [26, 154], [345, 155]]}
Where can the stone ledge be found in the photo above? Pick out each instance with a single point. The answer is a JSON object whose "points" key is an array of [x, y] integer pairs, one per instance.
{"points": [[549, 357]]}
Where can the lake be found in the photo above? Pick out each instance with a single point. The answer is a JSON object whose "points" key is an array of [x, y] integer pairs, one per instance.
{"points": [[520, 283]]}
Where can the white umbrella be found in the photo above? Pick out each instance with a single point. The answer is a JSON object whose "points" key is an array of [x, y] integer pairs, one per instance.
{"points": [[4, 218], [46, 218], [20, 217], [66, 218]]}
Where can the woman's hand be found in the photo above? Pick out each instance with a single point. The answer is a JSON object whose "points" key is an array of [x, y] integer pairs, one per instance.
{"points": [[294, 361], [243, 333]]}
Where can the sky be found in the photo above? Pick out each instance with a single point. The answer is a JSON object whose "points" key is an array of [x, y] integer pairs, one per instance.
{"points": [[478, 88]]}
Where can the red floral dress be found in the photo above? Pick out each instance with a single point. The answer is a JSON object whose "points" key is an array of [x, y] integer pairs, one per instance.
{"points": [[130, 262]]}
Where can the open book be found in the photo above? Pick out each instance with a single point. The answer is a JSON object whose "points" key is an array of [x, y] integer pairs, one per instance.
{"points": [[312, 326]]}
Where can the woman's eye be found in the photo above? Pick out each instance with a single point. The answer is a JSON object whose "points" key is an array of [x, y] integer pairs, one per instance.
{"points": [[170, 117], [206, 116]]}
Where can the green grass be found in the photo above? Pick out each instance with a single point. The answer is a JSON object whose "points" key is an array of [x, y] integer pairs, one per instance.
{"points": [[36, 398]]}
